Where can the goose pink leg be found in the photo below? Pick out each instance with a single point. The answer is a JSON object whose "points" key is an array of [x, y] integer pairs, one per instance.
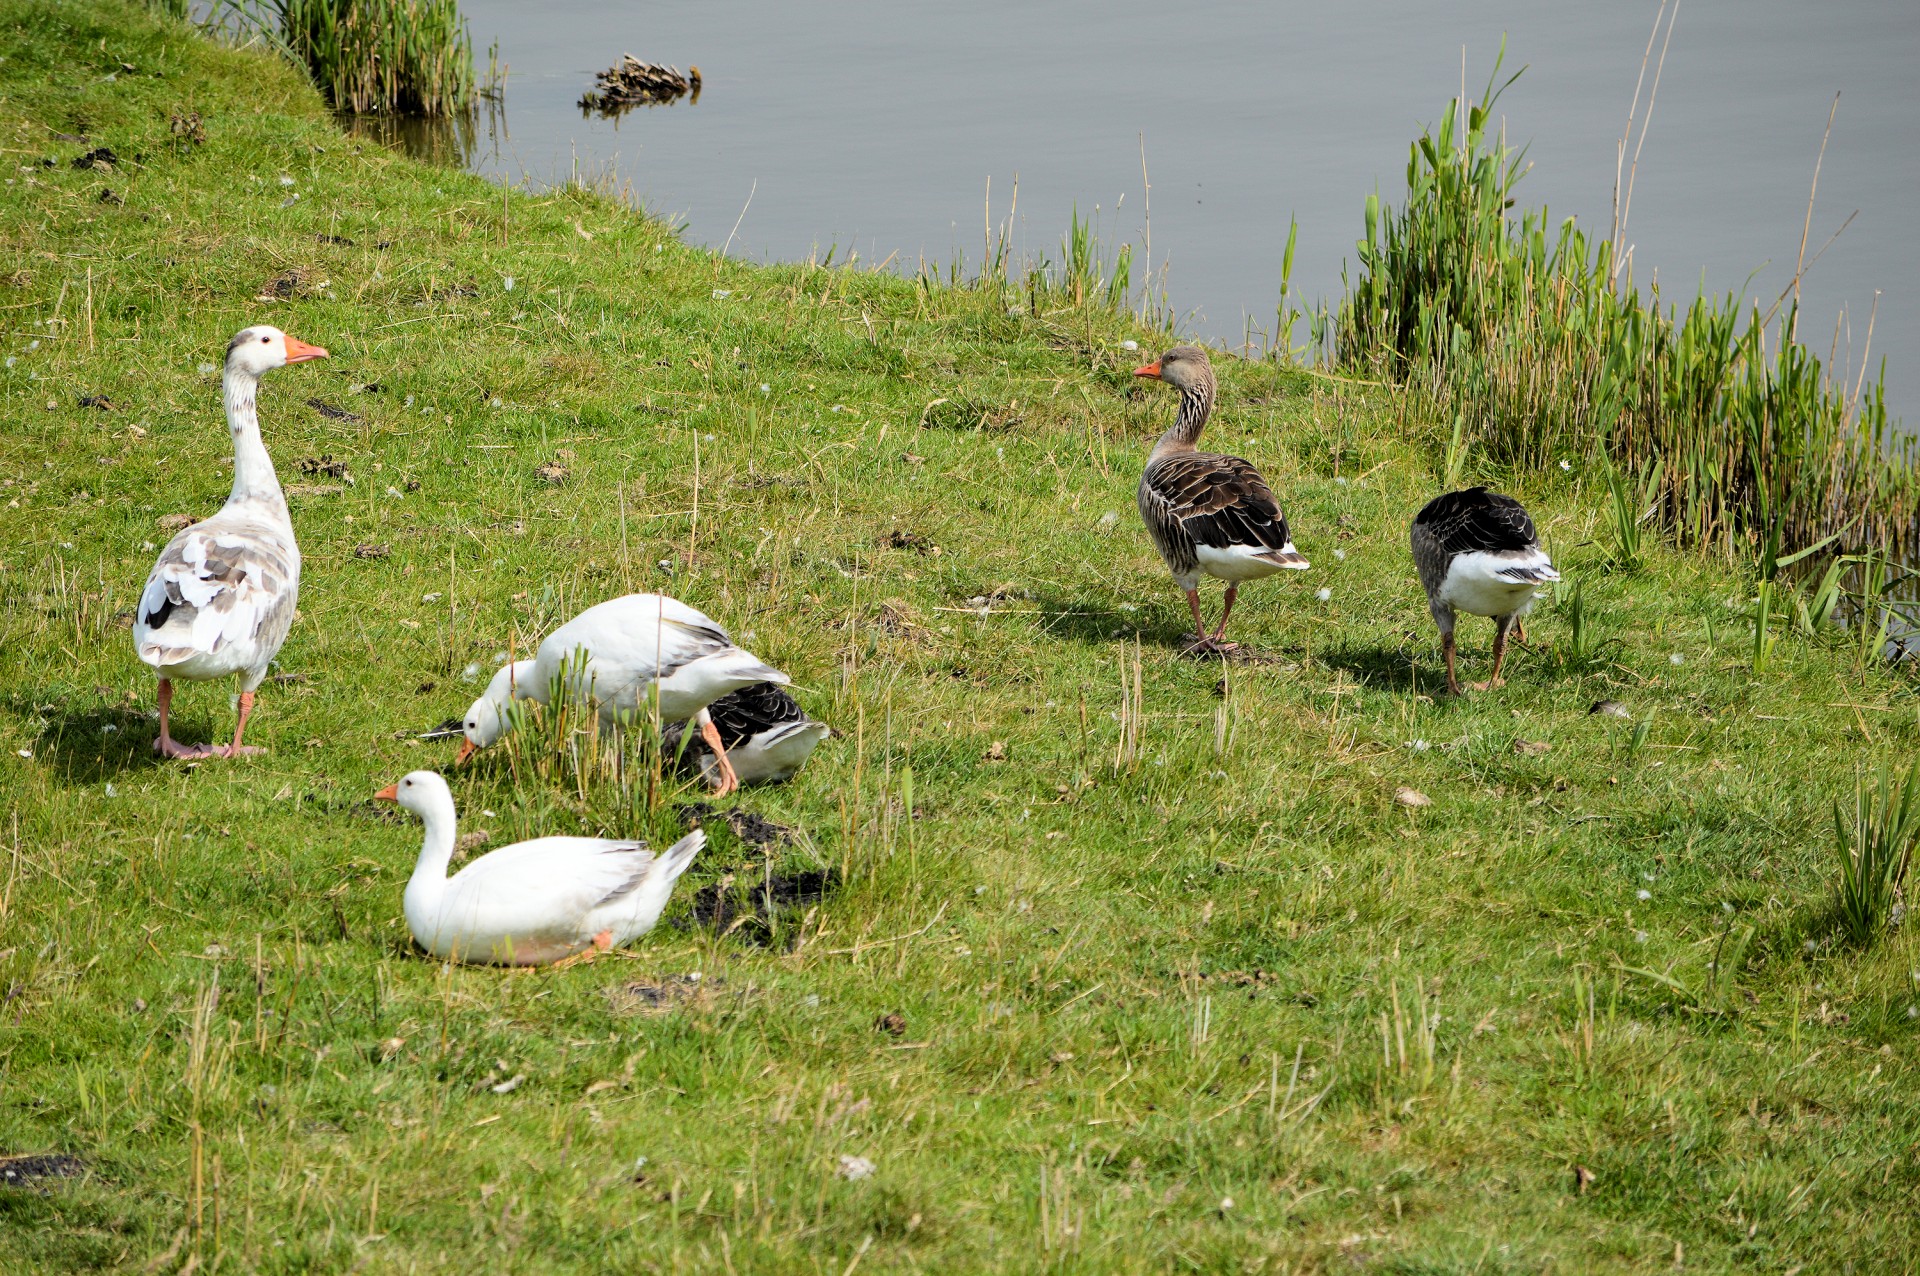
{"points": [[168, 747], [236, 749], [729, 778]]}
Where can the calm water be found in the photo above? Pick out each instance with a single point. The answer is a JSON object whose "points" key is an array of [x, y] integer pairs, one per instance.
{"points": [[877, 126]]}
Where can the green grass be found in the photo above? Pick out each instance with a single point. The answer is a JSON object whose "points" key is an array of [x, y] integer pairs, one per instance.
{"points": [[1158, 931]]}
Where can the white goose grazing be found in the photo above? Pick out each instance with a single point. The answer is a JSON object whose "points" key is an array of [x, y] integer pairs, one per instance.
{"points": [[532, 903], [1207, 512], [1477, 552], [221, 598], [767, 734], [632, 645]]}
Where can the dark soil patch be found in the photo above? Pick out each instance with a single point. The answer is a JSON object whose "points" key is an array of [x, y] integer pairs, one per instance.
{"points": [[101, 158], [24, 1171], [322, 465], [659, 996], [749, 907], [752, 829], [333, 413]]}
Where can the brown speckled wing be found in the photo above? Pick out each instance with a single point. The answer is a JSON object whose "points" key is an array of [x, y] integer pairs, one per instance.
{"points": [[222, 582], [1216, 501]]}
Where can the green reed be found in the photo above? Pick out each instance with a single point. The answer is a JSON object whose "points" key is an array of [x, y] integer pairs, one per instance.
{"points": [[1084, 274], [1516, 324], [1875, 837], [408, 57]]}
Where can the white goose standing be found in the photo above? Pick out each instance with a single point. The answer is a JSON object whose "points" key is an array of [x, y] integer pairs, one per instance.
{"points": [[631, 645], [533, 903], [221, 597]]}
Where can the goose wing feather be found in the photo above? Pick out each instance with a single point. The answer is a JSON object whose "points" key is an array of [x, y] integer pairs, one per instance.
{"points": [[548, 886], [1217, 501], [229, 583], [1477, 521]]}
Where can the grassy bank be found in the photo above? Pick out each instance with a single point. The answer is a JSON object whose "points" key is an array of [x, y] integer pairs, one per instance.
{"points": [[1179, 984]]}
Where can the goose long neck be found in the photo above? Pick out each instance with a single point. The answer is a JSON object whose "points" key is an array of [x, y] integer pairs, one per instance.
{"points": [[436, 848], [1196, 405], [253, 476]]}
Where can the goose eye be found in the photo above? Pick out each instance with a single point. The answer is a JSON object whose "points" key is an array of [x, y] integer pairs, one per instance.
{"points": [[265, 340]]}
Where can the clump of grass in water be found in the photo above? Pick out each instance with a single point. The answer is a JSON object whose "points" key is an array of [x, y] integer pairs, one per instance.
{"points": [[1752, 443], [407, 57], [1875, 839]]}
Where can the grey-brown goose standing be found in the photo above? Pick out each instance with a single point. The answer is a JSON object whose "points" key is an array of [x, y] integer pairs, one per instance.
{"points": [[1477, 552], [1207, 512]]}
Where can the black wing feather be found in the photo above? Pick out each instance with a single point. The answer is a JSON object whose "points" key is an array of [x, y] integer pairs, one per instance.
{"points": [[1477, 520]]}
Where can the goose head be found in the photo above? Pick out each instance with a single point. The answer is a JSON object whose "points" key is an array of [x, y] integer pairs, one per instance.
{"points": [[1183, 368], [485, 720], [260, 349], [422, 792]]}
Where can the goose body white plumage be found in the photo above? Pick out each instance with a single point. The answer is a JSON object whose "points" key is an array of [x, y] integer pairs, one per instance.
{"points": [[628, 645], [1495, 583], [614, 655], [535, 902], [221, 596]]}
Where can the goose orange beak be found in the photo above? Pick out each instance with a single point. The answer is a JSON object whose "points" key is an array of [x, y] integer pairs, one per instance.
{"points": [[299, 351], [466, 751], [1148, 370], [389, 794]]}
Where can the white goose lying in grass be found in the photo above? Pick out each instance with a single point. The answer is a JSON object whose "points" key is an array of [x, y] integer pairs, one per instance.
{"points": [[532, 903], [768, 736], [1477, 552], [220, 599], [631, 646]]}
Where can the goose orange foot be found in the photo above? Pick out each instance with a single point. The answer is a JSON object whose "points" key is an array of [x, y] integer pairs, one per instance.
{"points": [[603, 942]]}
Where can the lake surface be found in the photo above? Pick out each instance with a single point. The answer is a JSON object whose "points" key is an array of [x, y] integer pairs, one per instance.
{"points": [[876, 127]]}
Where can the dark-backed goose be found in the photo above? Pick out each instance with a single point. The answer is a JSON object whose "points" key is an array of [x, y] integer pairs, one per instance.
{"points": [[1477, 552], [766, 733]]}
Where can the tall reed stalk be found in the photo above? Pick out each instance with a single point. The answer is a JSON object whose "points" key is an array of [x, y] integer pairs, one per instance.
{"points": [[1520, 326], [408, 57]]}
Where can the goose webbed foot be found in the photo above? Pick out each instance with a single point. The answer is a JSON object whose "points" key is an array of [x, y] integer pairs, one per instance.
{"points": [[602, 943], [168, 747]]}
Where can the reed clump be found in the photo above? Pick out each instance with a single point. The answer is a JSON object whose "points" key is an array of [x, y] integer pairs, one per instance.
{"points": [[1875, 835], [404, 57], [1747, 441]]}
